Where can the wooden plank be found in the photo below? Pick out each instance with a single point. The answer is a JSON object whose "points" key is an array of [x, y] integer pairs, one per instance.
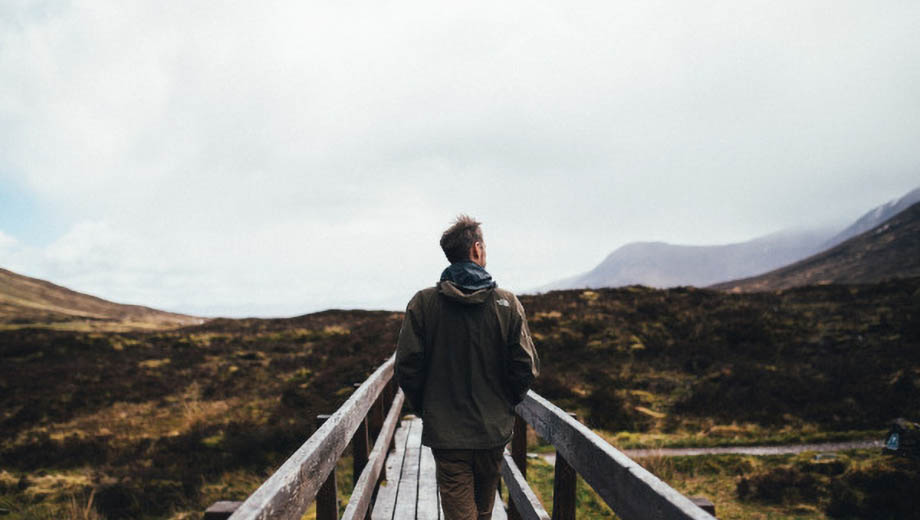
{"points": [[427, 487], [520, 494], [386, 496], [628, 488], [287, 494], [361, 496], [406, 498]]}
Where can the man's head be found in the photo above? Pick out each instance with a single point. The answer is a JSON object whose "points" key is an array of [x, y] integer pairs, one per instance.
{"points": [[463, 241]]}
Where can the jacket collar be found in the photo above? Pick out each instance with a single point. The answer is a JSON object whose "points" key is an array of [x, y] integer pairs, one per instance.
{"points": [[468, 276]]}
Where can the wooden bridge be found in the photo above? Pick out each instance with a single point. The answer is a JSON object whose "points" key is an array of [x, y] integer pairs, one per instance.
{"points": [[374, 412]]}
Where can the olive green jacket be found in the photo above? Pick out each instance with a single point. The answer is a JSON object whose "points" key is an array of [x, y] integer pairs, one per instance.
{"points": [[463, 361]]}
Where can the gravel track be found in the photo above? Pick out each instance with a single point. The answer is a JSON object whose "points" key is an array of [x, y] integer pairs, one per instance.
{"points": [[825, 447]]}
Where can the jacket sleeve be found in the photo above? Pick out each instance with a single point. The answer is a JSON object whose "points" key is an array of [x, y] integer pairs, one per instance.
{"points": [[523, 362], [410, 354]]}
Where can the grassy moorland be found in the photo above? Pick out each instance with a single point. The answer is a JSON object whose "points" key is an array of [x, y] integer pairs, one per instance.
{"points": [[160, 423], [691, 366]]}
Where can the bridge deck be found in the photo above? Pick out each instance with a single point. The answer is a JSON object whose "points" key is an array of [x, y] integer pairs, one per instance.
{"points": [[411, 491]]}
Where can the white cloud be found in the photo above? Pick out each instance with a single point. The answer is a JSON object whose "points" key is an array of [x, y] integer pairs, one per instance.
{"points": [[305, 155]]}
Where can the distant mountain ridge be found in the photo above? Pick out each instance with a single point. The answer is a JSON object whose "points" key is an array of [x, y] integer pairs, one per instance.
{"points": [[26, 300], [659, 264], [874, 217], [890, 250]]}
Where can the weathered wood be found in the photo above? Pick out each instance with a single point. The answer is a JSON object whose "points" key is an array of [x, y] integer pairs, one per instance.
{"points": [[408, 482], [287, 494], [628, 488], [519, 455], [386, 495], [359, 503], [564, 480], [221, 510], [376, 416], [427, 501], [521, 498], [327, 498], [359, 447]]}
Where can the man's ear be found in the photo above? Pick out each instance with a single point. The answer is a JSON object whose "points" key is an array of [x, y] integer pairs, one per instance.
{"points": [[475, 253]]}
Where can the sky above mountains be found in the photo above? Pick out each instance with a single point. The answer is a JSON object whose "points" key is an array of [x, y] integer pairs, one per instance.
{"points": [[286, 157]]}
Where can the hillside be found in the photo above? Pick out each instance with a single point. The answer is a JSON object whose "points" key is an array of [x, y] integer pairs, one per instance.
{"points": [[874, 217], [25, 300], [891, 250]]}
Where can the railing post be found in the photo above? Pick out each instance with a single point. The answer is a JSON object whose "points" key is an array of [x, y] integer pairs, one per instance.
{"points": [[563, 490], [375, 423], [564, 481], [519, 455], [360, 444], [327, 499], [359, 450]]}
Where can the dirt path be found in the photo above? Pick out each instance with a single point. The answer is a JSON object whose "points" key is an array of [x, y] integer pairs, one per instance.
{"points": [[744, 450]]}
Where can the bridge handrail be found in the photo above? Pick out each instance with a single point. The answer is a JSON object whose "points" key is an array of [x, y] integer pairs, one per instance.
{"points": [[292, 488], [628, 488]]}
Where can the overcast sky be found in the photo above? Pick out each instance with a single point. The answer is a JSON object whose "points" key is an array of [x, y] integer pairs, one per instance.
{"points": [[276, 158]]}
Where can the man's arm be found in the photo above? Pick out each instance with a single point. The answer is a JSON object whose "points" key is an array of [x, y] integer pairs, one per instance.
{"points": [[410, 354], [523, 361]]}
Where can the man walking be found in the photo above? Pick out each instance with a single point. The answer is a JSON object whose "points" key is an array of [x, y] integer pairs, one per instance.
{"points": [[464, 359]]}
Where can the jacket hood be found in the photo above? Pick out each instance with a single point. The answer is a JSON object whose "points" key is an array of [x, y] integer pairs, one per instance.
{"points": [[452, 292], [468, 276]]}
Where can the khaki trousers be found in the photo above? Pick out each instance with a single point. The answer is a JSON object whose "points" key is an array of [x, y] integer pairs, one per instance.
{"points": [[467, 480]]}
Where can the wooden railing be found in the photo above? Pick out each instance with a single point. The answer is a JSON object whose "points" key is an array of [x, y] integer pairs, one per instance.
{"points": [[309, 475], [373, 411], [628, 488]]}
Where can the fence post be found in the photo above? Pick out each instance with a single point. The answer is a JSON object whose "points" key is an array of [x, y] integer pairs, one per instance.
{"points": [[564, 481], [327, 499], [519, 455], [359, 450]]}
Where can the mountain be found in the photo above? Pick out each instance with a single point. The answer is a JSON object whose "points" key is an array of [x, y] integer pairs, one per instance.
{"points": [[25, 300], [658, 264], [891, 250], [874, 217]]}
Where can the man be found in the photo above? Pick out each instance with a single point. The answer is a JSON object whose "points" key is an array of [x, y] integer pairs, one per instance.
{"points": [[464, 359]]}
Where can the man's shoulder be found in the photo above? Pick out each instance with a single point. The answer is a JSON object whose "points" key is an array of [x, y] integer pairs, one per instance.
{"points": [[422, 297], [427, 292], [504, 293]]}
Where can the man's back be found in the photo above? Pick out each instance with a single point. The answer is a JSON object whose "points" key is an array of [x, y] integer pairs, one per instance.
{"points": [[465, 359]]}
